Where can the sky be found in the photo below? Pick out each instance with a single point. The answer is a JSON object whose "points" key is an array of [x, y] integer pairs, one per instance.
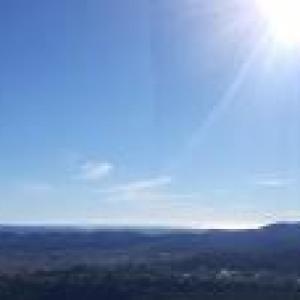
{"points": [[159, 113]]}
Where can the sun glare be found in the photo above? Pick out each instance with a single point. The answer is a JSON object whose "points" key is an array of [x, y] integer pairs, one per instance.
{"points": [[283, 19]]}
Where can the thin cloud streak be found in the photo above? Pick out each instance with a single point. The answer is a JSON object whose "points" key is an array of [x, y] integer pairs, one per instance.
{"points": [[143, 185], [275, 180], [274, 183], [93, 170]]}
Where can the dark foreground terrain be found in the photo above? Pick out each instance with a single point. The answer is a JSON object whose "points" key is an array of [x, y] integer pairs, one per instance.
{"points": [[136, 283], [71, 263]]}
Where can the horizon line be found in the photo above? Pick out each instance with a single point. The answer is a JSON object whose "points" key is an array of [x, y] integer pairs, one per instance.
{"points": [[133, 226]]}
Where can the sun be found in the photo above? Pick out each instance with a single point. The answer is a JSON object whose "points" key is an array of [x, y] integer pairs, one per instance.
{"points": [[282, 18]]}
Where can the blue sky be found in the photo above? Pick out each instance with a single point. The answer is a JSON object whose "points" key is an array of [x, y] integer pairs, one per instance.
{"points": [[180, 113]]}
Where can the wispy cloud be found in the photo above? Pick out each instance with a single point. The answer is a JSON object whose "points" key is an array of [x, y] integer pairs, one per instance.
{"points": [[142, 185], [274, 181], [94, 170], [143, 192]]}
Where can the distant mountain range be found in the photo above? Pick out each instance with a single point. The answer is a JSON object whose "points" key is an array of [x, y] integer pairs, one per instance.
{"points": [[278, 236], [26, 247], [58, 227]]}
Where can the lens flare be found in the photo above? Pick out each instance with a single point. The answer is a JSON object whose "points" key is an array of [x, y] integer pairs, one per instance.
{"points": [[282, 18]]}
